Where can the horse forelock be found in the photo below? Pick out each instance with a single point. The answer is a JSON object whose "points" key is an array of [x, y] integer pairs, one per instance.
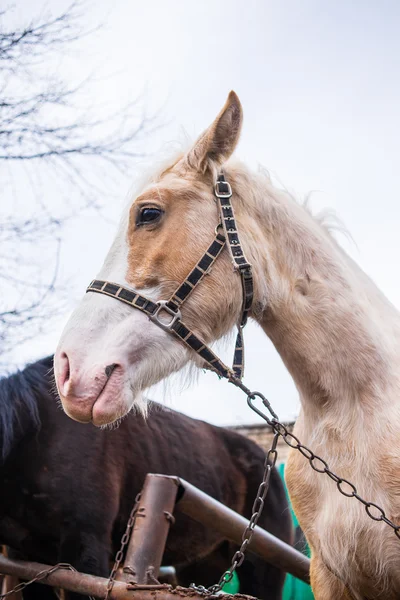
{"points": [[18, 401]]}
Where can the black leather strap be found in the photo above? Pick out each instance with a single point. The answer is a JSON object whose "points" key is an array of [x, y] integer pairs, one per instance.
{"points": [[196, 275], [223, 192], [166, 313], [124, 295]]}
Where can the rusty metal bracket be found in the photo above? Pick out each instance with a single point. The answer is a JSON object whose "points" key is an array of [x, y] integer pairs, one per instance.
{"points": [[149, 586]]}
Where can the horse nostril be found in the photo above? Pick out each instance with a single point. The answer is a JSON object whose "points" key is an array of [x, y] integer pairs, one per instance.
{"points": [[66, 372], [109, 369]]}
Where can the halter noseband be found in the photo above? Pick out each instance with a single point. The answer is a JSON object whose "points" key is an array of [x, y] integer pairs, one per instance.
{"points": [[226, 233]]}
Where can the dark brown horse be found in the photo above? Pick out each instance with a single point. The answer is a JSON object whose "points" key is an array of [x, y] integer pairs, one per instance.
{"points": [[67, 489]]}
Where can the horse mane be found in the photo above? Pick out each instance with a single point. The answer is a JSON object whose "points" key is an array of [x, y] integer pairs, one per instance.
{"points": [[18, 401], [327, 219]]}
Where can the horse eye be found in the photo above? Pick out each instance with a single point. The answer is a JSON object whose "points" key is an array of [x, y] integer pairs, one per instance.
{"points": [[148, 215]]}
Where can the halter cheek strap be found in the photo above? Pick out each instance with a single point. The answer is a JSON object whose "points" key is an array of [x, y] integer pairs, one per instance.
{"points": [[167, 314], [223, 192]]}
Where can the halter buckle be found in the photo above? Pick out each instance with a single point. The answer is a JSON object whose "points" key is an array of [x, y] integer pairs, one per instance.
{"points": [[222, 189], [162, 305]]}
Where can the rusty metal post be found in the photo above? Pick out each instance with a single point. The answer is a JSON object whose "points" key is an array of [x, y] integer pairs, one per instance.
{"points": [[8, 583], [214, 515], [149, 535]]}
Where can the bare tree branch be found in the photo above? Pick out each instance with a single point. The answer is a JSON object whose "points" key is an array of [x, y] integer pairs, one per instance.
{"points": [[45, 122]]}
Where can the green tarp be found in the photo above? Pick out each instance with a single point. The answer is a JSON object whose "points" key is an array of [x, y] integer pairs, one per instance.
{"points": [[294, 589]]}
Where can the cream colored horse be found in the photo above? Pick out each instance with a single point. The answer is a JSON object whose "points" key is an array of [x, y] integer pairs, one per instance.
{"points": [[337, 334]]}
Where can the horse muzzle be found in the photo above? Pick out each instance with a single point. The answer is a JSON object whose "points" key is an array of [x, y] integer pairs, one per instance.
{"points": [[90, 396]]}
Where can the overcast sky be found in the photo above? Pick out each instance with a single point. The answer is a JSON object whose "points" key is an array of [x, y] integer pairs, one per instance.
{"points": [[319, 84]]}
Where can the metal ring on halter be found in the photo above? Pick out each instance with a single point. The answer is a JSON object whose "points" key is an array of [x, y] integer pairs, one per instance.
{"points": [[218, 228], [163, 306]]}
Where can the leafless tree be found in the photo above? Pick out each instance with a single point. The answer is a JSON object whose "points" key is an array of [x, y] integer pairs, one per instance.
{"points": [[45, 132]]}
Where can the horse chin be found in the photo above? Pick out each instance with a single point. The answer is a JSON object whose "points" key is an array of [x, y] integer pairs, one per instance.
{"points": [[123, 393], [113, 403], [76, 413], [107, 412]]}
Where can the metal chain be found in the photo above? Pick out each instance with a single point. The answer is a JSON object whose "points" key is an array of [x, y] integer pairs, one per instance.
{"points": [[41, 575], [258, 505], [345, 487], [318, 464], [124, 541]]}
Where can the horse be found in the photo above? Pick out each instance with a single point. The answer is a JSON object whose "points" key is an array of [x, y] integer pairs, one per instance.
{"points": [[336, 332], [67, 490]]}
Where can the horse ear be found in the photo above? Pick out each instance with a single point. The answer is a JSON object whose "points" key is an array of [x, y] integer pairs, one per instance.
{"points": [[219, 141]]}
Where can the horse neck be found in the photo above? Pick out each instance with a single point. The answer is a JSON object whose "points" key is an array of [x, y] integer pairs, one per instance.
{"points": [[336, 332]]}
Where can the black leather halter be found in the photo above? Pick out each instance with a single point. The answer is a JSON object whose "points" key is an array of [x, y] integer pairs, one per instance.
{"points": [[226, 233]]}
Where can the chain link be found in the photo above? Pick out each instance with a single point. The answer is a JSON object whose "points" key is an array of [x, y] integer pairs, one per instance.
{"points": [[41, 575], [124, 541], [318, 464], [257, 509]]}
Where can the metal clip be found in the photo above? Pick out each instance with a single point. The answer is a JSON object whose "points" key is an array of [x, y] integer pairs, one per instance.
{"points": [[252, 397]]}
